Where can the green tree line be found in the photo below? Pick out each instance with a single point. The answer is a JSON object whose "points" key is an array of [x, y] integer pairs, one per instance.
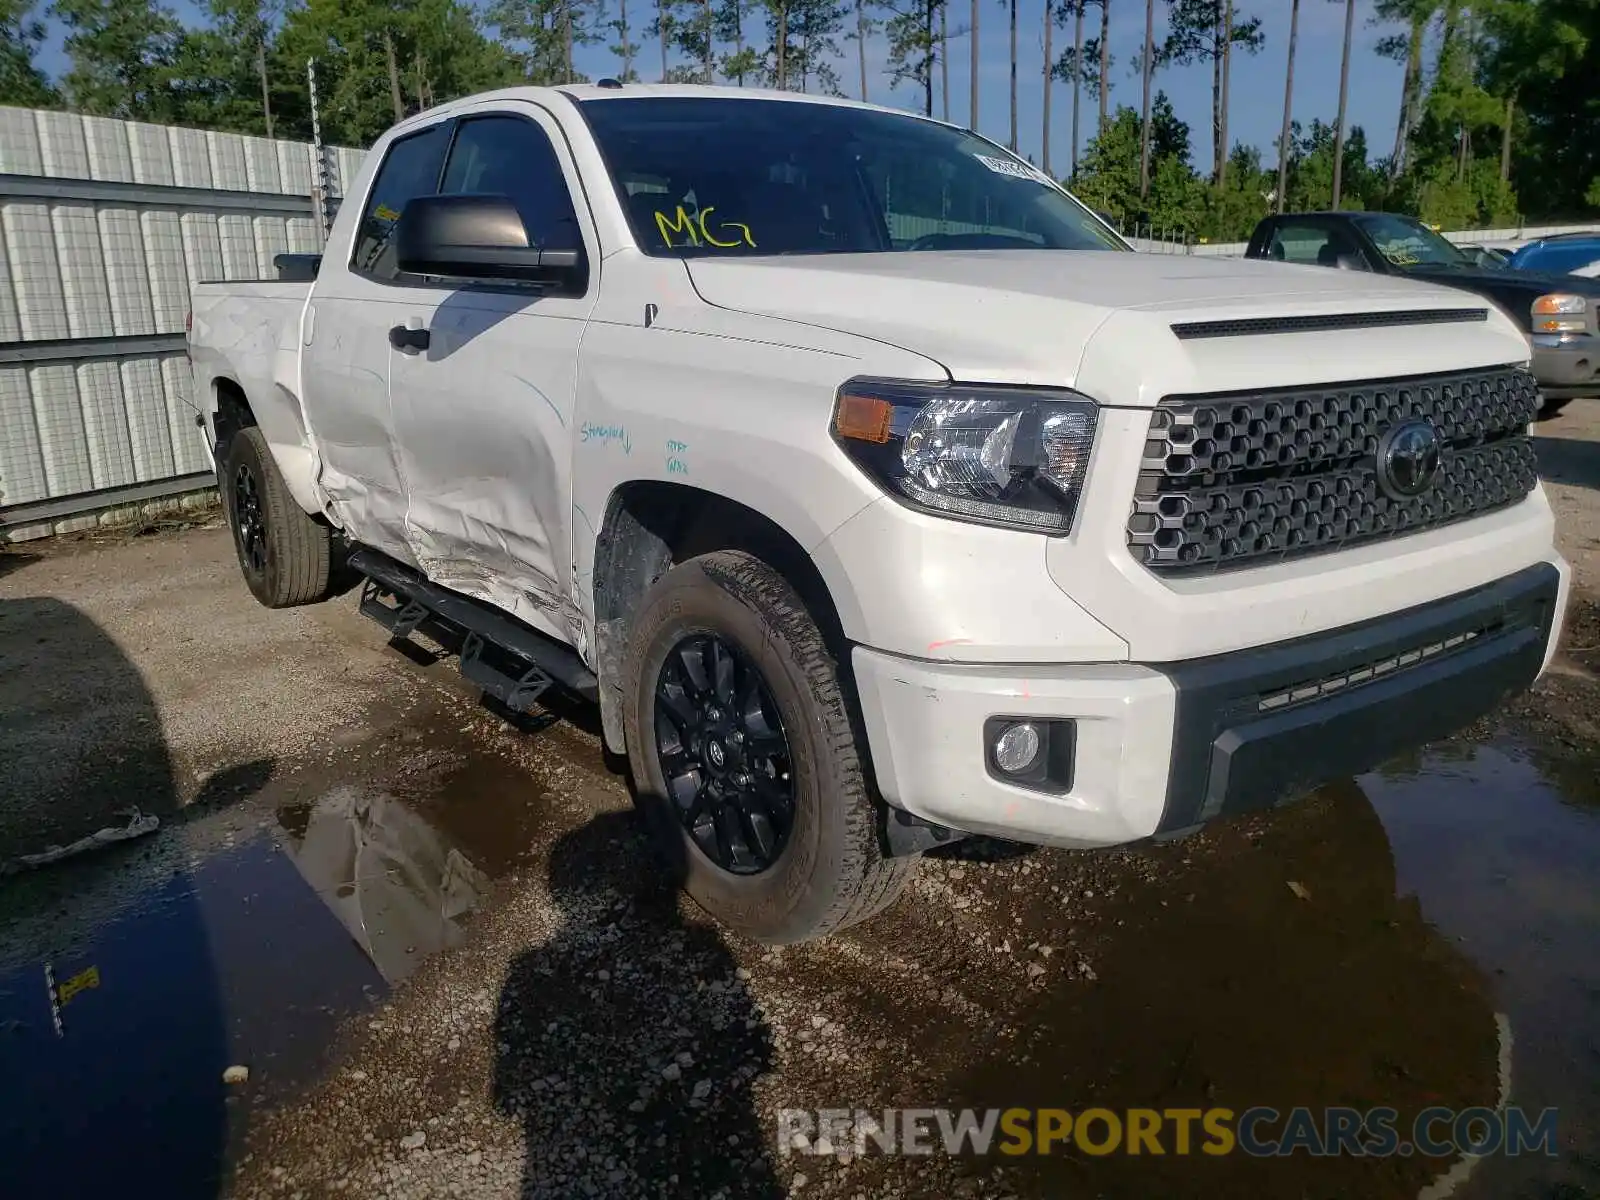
{"points": [[1496, 115], [1496, 118]]}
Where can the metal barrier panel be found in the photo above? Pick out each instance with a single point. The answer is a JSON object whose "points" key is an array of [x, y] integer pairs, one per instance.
{"points": [[105, 227]]}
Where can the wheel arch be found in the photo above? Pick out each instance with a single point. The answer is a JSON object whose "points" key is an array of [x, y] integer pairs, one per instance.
{"points": [[279, 419], [650, 526]]}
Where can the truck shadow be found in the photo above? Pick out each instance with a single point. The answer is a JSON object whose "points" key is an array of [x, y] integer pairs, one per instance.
{"points": [[464, 315], [11, 559], [628, 1043], [1572, 461], [81, 739], [113, 1029]]}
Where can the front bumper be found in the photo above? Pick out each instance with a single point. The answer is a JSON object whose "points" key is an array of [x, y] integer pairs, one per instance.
{"points": [[1162, 748], [1567, 366]]}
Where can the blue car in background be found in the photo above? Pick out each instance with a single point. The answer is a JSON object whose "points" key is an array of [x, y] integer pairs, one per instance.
{"points": [[1560, 254]]}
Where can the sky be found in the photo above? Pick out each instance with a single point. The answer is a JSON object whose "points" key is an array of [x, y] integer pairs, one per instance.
{"points": [[1256, 105]]}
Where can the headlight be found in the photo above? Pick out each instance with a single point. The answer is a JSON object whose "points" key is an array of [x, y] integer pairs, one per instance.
{"points": [[1560, 313], [997, 456]]}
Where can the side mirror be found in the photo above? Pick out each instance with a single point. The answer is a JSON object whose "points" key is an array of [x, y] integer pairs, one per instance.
{"points": [[478, 237]]}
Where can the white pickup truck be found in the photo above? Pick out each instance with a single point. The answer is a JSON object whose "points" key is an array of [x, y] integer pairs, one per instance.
{"points": [[874, 488]]}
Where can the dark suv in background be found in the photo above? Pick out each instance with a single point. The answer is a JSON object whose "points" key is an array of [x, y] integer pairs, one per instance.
{"points": [[1558, 312]]}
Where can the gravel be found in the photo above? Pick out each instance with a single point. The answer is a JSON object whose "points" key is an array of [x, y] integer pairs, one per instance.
{"points": [[597, 1036]]}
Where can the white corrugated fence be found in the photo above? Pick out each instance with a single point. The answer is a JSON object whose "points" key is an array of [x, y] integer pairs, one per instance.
{"points": [[105, 226]]}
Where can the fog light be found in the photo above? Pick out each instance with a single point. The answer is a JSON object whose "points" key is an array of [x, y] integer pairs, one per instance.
{"points": [[1017, 748]]}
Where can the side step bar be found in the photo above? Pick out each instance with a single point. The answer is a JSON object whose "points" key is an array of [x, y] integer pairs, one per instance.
{"points": [[511, 661]]}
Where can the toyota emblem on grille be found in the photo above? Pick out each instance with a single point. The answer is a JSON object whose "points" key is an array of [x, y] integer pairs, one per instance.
{"points": [[1408, 459]]}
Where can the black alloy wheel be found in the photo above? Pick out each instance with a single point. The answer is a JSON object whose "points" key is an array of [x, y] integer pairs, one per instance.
{"points": [[724, 754], [251, 525]]}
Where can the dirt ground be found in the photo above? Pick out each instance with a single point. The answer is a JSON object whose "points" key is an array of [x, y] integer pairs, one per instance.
{"points": [[590, 1033]]}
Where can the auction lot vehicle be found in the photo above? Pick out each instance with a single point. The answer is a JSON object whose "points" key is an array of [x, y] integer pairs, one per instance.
{"points": [[872, 486], [1559, 314]]}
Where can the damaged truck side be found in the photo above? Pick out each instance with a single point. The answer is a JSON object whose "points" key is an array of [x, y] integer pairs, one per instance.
{"points": [[874, 489]]}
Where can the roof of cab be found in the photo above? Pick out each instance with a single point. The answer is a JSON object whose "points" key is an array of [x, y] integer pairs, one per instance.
{"points": [[704, 91], [585, 92]]}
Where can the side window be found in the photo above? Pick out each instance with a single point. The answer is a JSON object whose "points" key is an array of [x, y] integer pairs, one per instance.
{"points": [[512, 157], [410, 169]]}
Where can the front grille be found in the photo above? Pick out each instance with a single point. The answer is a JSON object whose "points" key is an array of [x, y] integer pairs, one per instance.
{"points": [[1247, 478]]}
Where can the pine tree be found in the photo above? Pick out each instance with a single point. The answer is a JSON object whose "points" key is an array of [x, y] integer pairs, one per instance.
{"points": [[21, 35], [437, 49], [1206, 31], [624, 47], [1084, 65], [742, 61], [545, 35], [914, 46], [1344, 93], [1288, 106], [121, 54]]}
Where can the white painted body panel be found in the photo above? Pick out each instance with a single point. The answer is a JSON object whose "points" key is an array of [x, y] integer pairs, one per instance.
{"points": [[249, 335], [1099, 321], [490, 460]]}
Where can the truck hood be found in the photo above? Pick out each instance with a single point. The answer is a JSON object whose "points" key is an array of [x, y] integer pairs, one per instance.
{"points": [[1055, 318]]}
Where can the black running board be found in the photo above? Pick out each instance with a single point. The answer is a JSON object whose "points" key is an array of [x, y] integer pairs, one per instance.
{"points": [[509, 660]]}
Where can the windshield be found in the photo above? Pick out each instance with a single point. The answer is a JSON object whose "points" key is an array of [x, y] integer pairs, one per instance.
{"points": [[1408, 243], [707, 176]]}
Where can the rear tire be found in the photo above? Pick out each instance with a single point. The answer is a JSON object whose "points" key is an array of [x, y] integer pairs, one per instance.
{"points": [[283, 553], [828, 871]]}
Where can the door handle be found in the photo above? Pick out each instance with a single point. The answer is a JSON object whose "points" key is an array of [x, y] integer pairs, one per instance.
{"points": [[402, 338]]}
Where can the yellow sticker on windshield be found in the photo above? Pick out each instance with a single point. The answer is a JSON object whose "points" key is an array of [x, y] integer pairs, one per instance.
{"points": [[384, 213], [696, 230], [1402, 258]]}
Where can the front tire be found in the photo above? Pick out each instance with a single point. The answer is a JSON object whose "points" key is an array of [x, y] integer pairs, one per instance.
{"points": [[283, 553], [744, 757]]}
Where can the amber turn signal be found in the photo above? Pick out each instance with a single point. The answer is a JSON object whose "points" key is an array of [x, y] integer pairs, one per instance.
{"points": [[863, 418]]}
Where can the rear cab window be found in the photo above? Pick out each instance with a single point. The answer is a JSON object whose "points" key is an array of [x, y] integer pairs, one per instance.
{"points": [[1308, 243]]}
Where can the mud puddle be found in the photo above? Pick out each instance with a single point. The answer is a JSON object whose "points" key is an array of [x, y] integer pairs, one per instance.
{"points": [[244, 949], [1501, 845], [1269, 962]]}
